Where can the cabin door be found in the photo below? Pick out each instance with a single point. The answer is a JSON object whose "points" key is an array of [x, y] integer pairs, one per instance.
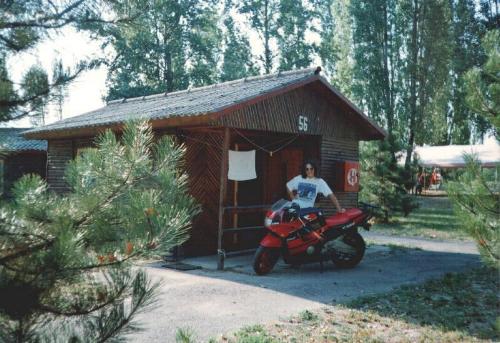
{"points": [[280, 168]]}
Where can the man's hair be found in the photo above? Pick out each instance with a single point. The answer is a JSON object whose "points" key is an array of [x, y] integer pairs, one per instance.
{"points": [[313, 164]]}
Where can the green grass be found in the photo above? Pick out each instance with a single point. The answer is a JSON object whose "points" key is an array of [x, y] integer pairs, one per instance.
{"points": [[185, 335], [434, 219], [253, 334], [460, 307], [466, 302]]}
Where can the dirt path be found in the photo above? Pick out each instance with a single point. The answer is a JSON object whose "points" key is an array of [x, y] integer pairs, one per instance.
{"points": [[211, 302]]}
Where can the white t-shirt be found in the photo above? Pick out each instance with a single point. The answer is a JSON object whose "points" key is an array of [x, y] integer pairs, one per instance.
{"points": [[307, 190]]}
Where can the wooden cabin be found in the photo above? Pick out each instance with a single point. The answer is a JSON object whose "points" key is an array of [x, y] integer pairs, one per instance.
{"points": [[19, 156], [285, 117]]}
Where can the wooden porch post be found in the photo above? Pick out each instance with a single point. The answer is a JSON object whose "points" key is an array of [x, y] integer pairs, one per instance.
{"points": [[222, 197]]}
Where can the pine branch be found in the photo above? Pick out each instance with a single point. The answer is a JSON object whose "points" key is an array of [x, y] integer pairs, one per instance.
{"points": [[27, 251]]}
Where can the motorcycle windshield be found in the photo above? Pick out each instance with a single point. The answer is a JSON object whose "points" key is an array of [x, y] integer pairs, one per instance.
{"points": [[280, 204]]}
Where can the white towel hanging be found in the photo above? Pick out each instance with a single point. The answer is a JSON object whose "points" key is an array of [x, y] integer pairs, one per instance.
{"points": [[241, 165]]}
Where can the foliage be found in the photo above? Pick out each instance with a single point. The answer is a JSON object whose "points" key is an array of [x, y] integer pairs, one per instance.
{"points": [[467, 53], [65, 260], [23, 25], [61, 89], [180, 39], [409, 61], [184, 335], [36, 81], [254, 334], [336, 49], [237, 54], [382, 180], [262, 16], [477, 205], [294, 21], [483, 84]]}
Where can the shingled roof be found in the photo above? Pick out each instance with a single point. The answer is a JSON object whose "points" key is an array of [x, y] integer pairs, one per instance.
{"points": [[187, 103], [11, 140]]}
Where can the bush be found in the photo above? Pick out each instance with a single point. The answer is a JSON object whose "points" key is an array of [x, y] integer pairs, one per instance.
{"points": [[383, 182]]}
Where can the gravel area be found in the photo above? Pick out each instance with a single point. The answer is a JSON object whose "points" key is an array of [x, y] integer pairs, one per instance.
{"points": [[212, 302]]}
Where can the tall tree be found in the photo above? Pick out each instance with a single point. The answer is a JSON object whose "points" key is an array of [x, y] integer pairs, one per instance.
{"points": [[326, 49], [342, 35], [294, 21], [424, 31], [238, 61], [483, 83], [179, 39], [204, 39], [376, 50], [467, 53], [59, 72], [35, 84], [263, 18]]}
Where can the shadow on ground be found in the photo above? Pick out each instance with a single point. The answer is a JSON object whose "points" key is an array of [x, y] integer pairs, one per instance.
{"points": [[381, 269], [212, 302]]}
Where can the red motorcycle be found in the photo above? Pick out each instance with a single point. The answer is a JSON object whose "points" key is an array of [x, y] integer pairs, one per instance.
{"points": [[306, 236]]}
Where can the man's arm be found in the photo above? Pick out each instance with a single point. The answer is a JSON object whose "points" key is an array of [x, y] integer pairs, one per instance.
{"points": [[290, 194], [334, 200]]}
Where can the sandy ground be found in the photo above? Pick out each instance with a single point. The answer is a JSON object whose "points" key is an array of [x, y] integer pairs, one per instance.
{"points": [[212, 302]]}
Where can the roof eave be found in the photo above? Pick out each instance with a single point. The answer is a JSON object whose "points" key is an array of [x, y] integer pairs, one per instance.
{"points": [[88, 131]]}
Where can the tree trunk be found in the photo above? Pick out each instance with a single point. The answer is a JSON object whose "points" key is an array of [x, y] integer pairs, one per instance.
{"points": [[413, 83], [267, 50]]}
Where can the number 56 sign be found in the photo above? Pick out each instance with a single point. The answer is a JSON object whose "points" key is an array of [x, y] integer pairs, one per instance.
{"points": [[303, 123]]}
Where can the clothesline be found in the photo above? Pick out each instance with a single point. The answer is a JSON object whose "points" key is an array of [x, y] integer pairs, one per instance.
{"points": [[265, 147]]}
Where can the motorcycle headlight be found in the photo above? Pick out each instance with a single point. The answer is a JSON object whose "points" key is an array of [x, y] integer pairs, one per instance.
{"points": [[268, 222]]}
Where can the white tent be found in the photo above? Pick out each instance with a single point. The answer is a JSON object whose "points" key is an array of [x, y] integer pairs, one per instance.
{"points": [[451, 156]]}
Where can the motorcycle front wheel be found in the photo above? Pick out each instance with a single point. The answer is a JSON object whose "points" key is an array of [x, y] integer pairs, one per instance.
{"points": [[265, 259], [349, 258]]}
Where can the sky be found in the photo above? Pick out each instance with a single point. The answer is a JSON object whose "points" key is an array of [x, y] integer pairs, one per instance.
{"points": [[85, 93]]}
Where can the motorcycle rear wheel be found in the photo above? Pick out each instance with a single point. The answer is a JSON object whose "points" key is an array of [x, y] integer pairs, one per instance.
{"points": [[265, 259], [347, 260]]}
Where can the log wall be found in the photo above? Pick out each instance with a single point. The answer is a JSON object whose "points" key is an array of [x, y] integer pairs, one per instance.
{"points": [[203, 162], [59, 153]]}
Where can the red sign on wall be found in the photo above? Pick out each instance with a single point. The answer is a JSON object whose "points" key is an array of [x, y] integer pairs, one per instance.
{"points": [[347, 176], [351, 179]]}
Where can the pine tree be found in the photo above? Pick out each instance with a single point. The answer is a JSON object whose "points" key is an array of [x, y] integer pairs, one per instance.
{"points": [[65, 260], [382, 181], [476, 197], [476, 203]]}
